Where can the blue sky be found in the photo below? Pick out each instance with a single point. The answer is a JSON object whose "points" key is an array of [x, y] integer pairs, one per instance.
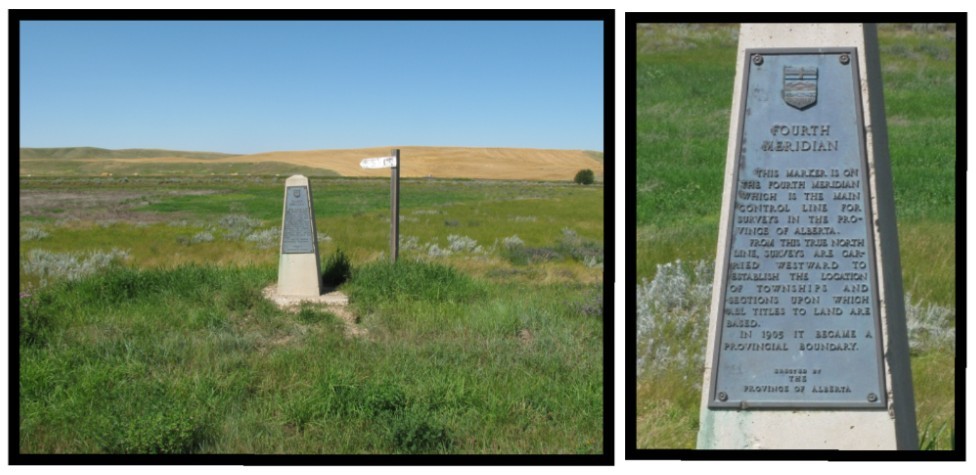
{"points": [[248, 87]]}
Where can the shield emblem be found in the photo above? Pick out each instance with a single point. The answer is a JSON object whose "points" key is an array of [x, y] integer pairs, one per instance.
{"points": [[296, 193], [800, 86]]}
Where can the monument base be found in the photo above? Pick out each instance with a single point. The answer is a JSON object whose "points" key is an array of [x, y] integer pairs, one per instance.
{"points": [[298, 275], [331, 300], [811, 430], [329, 297]]}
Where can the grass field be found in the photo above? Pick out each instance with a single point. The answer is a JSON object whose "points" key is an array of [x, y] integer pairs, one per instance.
{"points": [[144, 329], [685, 77]]}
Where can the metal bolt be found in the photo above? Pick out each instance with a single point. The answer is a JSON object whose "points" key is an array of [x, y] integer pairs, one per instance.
{"points": [[872, 397], [844, 59], [723, 397], [757, 59]]}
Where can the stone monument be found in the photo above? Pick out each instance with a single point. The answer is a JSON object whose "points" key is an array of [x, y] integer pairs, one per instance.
{"points": [[808, 345], [299, 274]]}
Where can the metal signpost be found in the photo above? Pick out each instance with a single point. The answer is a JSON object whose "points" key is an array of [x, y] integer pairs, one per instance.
{"points": [[393, 163]]}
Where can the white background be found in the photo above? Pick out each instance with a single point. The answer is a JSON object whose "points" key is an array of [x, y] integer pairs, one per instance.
{"points": [[622, 466]]}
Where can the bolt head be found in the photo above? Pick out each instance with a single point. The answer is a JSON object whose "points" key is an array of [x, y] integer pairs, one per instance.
{"points": [[844, 59], [723, 397], [757, 59]]}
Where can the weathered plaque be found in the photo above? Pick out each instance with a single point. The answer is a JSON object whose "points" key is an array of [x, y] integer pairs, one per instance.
{"points": [[296, 235], [799, 323]]}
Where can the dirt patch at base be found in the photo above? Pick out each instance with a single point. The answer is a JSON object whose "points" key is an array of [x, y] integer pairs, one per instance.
{"points": [[332, 301]]}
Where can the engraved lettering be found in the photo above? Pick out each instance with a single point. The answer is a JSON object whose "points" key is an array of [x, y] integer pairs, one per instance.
{"points": [[799, 284], [296, 233], [765, 389]]}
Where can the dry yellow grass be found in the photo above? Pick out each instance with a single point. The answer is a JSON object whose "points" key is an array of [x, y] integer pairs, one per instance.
{"points": [[436, 162]]}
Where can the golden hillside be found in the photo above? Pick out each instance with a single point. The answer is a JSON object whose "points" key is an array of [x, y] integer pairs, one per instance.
{"points": [[443, 162], [437, 162]]}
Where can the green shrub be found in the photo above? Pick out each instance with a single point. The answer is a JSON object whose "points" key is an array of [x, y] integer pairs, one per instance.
{"points": [[337, 269], [584, 177], [170, 432]]}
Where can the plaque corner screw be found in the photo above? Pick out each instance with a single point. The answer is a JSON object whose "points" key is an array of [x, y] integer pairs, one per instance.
{"points": [[844, 59], [757, 59], [872, 397], [723, 397]]}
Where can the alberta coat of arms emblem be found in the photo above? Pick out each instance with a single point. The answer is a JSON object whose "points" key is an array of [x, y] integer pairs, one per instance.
{"points": [[800, 86]]}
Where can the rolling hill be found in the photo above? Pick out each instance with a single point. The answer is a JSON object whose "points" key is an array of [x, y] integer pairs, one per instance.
{"points": [[416, 161]]}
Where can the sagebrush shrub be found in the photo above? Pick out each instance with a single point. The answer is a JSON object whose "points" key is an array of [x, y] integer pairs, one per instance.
{"points": [[458, 243], [581, 249], [433, 250], [930, 326], [51, 266], [237, 226], [265, 238], [409, 242], [203, 236], [33, 234], [672, 317], [513, 242]]}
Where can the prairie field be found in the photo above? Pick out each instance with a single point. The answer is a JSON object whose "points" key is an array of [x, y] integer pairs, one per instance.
{"points": [[685, 75], [143, 327]]}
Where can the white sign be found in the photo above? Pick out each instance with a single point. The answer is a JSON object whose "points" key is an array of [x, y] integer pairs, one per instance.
{"points": [[379, 162]]}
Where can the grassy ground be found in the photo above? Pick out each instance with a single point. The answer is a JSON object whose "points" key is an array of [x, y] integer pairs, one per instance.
{"points": [[685, 77], [476, 342]]}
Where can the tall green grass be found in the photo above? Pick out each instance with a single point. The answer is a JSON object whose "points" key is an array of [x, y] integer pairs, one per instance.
{"points": [[194, 360]]}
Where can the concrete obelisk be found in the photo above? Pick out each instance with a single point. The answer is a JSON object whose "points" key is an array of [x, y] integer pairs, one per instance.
{"points": [[808, 345], [298, 266]]}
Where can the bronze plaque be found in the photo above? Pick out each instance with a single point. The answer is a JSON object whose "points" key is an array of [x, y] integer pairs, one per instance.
{"points": [[296, 230], [799, 325]]}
